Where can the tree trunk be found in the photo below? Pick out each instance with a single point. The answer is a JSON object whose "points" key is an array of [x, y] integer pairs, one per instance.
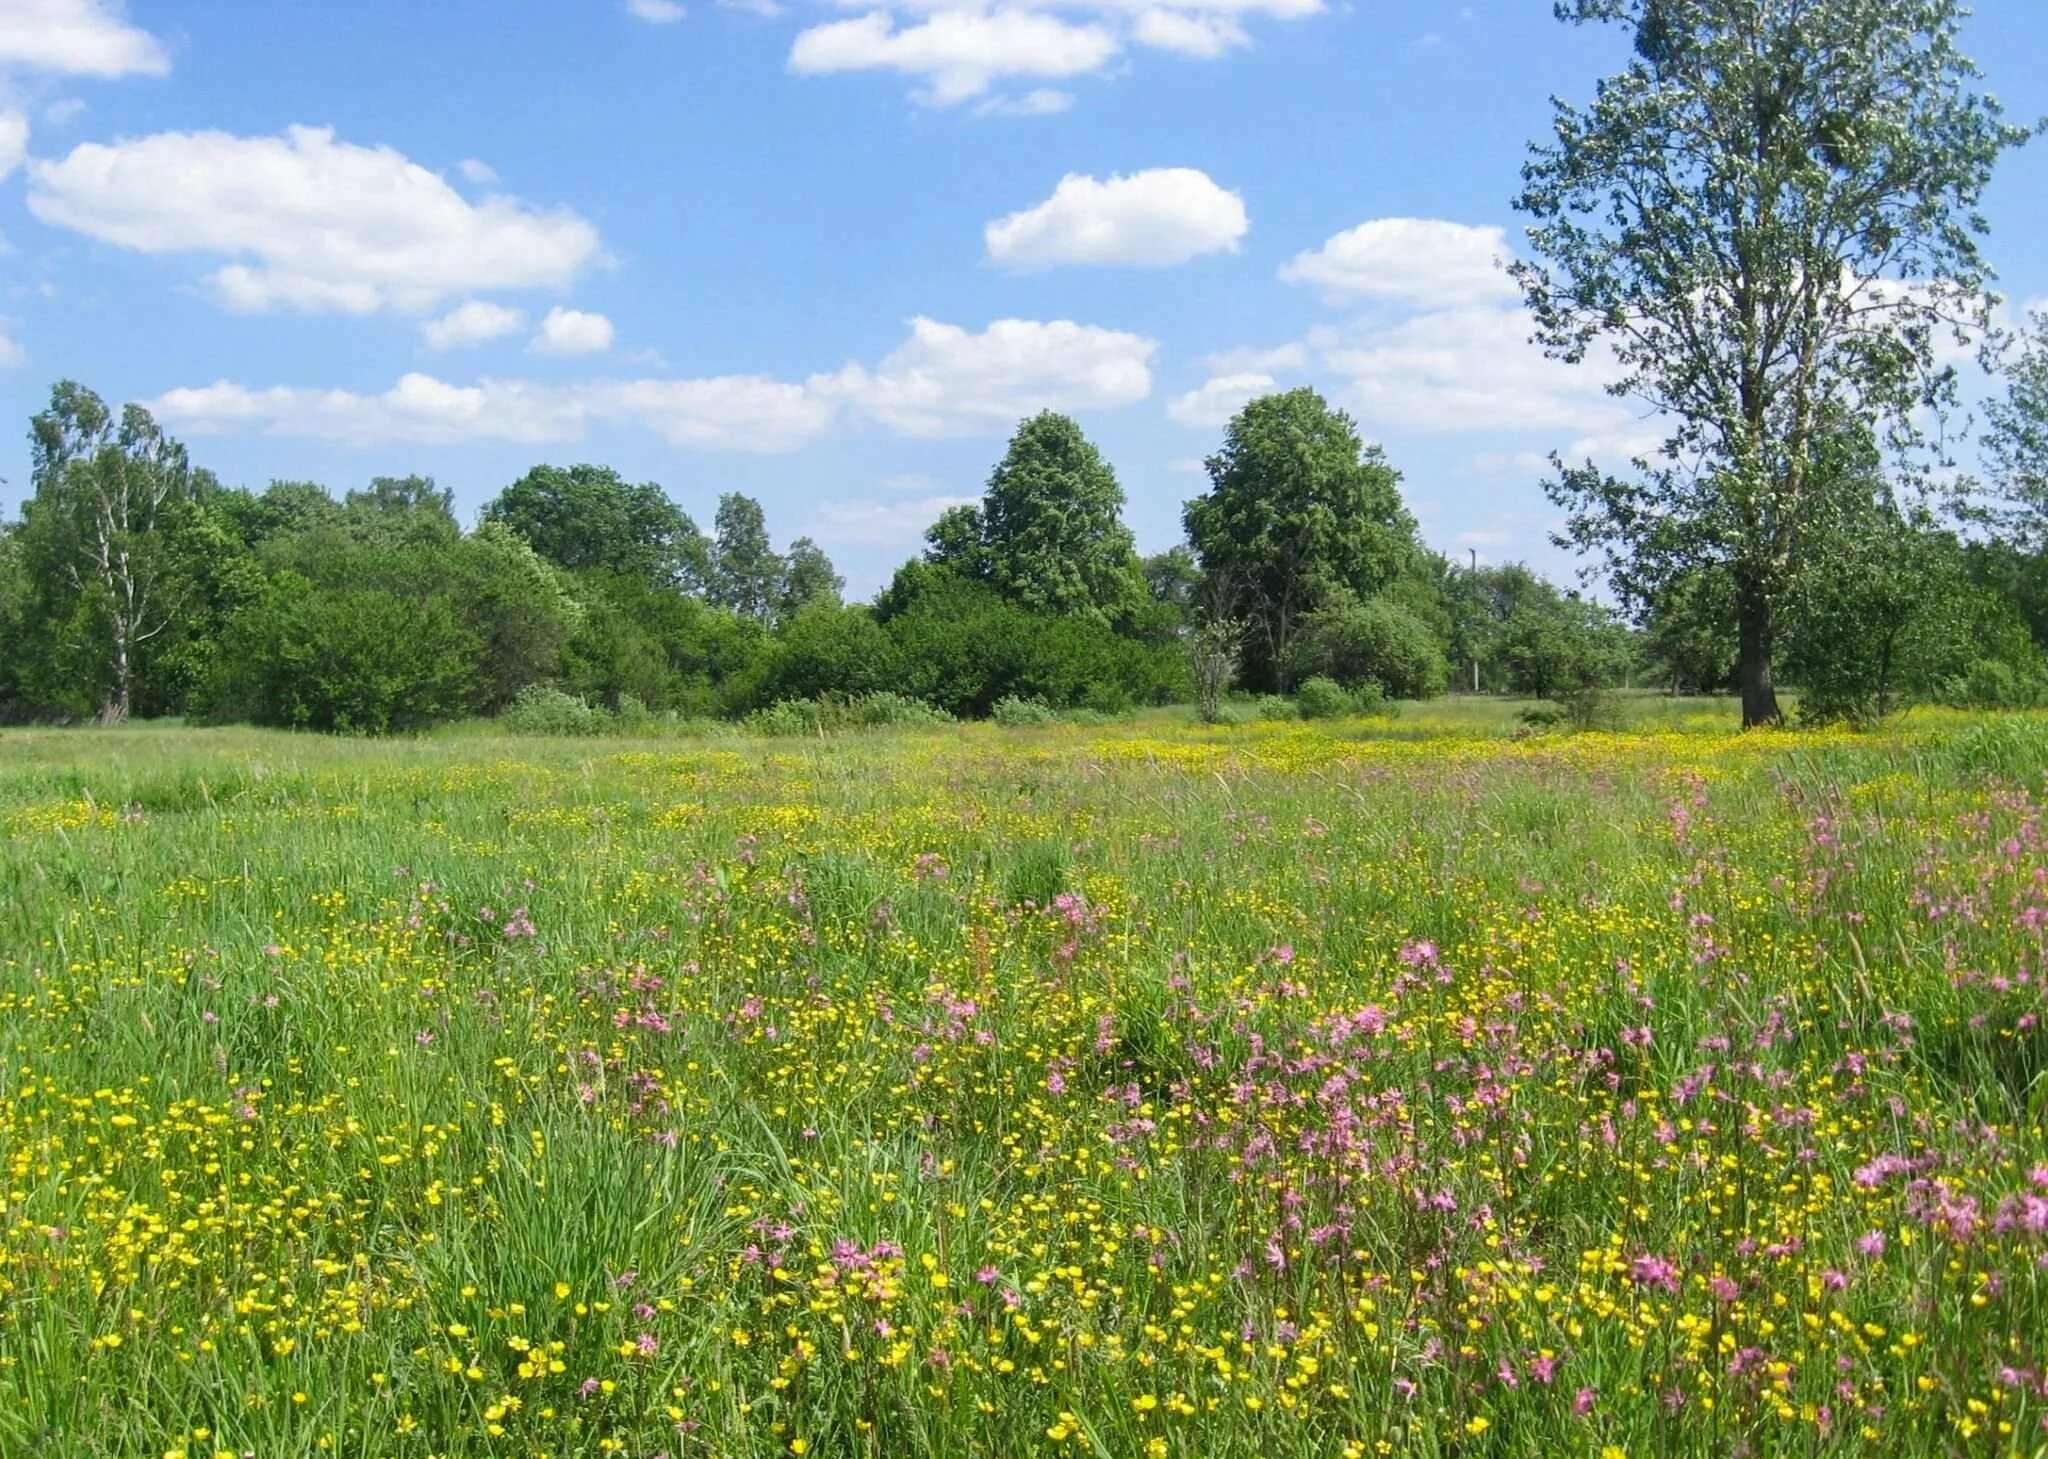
{"points": [[114, 709], [1753, 638]]}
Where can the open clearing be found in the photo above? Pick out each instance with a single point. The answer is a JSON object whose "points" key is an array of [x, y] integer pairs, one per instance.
{"points": [[1134, 1090]]}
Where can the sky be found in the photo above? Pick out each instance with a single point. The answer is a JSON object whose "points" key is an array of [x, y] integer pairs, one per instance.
{"points": [[819, 252]]}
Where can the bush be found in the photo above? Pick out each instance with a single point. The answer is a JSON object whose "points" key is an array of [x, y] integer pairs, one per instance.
{"points": [[357, 659], [880, 710], [1356, 641], [1322, 698], [542, 709], [1992, 684], [1013, 709], [1273, 706]]}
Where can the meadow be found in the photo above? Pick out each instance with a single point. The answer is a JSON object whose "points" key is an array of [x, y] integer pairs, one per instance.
{"points": [[1143, 1089]]}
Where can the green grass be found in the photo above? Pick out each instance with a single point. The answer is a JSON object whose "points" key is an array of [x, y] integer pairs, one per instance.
{"points": [[1401, 1085]]}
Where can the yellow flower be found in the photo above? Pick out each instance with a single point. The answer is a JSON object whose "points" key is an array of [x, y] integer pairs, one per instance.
{"points": [[1478, 1424]]}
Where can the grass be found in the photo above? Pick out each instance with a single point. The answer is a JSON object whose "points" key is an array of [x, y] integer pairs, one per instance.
{"points": [[1389, 1086]]}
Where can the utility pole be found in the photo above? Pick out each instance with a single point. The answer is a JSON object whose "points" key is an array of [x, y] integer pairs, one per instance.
{"points": [[1475, 656]]}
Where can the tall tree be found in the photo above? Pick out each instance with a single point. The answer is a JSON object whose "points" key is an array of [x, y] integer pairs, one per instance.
{"points": [[1048, 534], [2016, 442], [808, 577], [1297, 505], [396, 511], [589, 517], [746, 572], [108, 493], [1052, 532], [1765, 220]]}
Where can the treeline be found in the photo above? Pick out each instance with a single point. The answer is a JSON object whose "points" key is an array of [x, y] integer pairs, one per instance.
{"points": [[138, 584]]}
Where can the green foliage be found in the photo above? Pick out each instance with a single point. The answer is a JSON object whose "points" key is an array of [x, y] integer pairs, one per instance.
{"points": [[1015, 710], [360, 659], [747, 577], [1374, 641], [808, 580], [960, 645], [1995, 684], [1297, 507], [1048, 535], [1705, 218], [542, 709], [829, 649], [589, 518], [879, 710], [1037, 874], [1321, 697]]}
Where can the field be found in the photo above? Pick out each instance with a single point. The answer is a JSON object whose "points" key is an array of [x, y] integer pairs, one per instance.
{"points": [[1135, 1090]]}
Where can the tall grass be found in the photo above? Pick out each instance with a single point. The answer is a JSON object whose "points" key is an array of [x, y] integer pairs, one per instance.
{"points": [[1341, 1088]]}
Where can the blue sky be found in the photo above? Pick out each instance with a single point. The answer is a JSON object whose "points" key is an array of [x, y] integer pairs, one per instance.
{"points": [[819, 252]]}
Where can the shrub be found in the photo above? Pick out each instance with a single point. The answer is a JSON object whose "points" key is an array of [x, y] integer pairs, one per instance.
{"points": [[1322, 698], [1273, 706], [1014, 709], [1356, 641], [542, 709], [358, 659], [880, 710], [1992, 684]]}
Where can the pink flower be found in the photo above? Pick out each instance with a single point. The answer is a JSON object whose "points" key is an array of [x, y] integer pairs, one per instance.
{"points": [[1583, 1403], [1871, 1244]]}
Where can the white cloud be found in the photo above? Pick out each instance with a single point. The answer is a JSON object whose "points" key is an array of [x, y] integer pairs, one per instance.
{"points": [[11, 353], [1204, 37], [312, 223], [942, 381], [1426, 262], [76, 38], [1217, 400], [747, 413], [1468, 369], [732, 413], [471, 324], [881, 524], [13, 140], [656, 12], [766, 9], [958, 54], [64, 109], [477, 170], [1045, 101], [572, 332], [1165, 215], [945, 381]]}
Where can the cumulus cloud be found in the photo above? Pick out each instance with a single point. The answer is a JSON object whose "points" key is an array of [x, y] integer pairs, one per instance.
{"points": [[13, 140], [943, 380], [1218, 399], [962, 47], [1424, 262], [731, 413], [572, 332], [310, 222], [1161, 216], [1204, 37], [473, 323], [956, 54], [656, 12], [881, 524], [76, 38], [477, 170], [1467, 369], [947, 381], [11, 353]]}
